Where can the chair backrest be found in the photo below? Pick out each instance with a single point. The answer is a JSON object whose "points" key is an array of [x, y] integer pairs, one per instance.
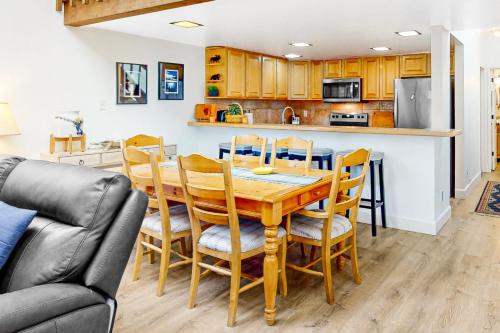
{"points": [[209, 201], [151, 185], [342, 198], [251, 140], [292, 143], [143, 140]]}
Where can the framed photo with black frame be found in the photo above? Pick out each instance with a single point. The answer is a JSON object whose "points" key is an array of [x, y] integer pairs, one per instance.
{"points": [[170, 81], [131, 83]]}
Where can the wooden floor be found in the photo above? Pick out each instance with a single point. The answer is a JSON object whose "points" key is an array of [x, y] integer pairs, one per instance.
{"points": [[411, 283]]}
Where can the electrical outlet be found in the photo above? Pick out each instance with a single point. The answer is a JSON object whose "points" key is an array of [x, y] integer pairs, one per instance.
{"points": [[102, 105]]}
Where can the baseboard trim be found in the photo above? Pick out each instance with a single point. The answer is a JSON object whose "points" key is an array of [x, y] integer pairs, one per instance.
{"points": [[463, 193], [407, 224]]}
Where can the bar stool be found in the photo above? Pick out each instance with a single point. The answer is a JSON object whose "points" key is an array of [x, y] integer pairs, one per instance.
{"points": [[280, 152], [225, 148], [372, 203], [319, 155]]}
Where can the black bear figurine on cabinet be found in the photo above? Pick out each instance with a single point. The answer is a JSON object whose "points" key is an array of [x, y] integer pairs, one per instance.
{"points": [[215, 59], [215, 77]]}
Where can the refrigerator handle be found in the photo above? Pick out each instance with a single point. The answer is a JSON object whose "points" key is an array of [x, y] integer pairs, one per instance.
{"points": [[396, 108]]}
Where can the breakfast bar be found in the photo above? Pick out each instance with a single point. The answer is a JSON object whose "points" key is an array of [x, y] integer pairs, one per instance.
{"points": [[417, 171]]}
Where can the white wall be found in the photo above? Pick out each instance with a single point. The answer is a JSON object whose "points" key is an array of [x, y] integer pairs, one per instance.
{"points": [[47, 68]]}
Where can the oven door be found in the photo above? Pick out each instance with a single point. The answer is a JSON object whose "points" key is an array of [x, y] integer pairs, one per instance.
{"points": [[342, 90]]}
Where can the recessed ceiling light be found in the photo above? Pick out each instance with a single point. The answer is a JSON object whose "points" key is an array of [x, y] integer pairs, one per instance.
{"points": [[301, 44], [380, 48], [187, 24], [292, 56], [408, 33]]}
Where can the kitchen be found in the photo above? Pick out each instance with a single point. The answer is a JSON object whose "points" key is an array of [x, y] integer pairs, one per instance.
{"points": [[342, 104]]}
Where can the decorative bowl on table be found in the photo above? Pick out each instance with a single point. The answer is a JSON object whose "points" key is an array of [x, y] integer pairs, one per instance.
{"points": [[263, 170]]}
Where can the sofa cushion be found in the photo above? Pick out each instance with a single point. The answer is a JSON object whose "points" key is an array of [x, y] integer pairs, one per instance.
{"points": [[7, 164], [13, 224], [75, 205]]}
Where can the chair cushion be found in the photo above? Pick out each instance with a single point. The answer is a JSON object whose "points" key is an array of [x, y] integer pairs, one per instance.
{"points": [[317, 152], [374, 156], [227, 146], [312, 228], [179, 220], [13, 224], [218, 237]]}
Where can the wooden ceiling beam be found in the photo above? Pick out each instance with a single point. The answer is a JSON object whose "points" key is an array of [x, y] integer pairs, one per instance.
{"points": [[78, 13]]}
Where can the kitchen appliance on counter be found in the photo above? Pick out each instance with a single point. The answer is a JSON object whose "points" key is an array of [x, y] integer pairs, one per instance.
{"points": [[342, 90], [412, 103], [349, 119]]}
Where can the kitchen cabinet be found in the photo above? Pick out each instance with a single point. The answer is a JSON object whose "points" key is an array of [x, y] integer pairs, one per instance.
{"points": [[269, 77], [316, 80], [413, 65], [253, 75], [352, 67], [281, 79], [371, 78], [216, 70], [298, 79], [389, 67], [333, 69], [235, 73]]}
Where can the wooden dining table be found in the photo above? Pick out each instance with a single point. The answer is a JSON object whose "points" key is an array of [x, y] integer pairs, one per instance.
{"points": [[266, 201]]}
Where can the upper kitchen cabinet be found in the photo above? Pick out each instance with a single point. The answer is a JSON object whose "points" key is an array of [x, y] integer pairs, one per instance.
{"points": [[412, 65], [253, 75], [269, 72], [281, 79], [235, 73], [352, 67], [298, 78], [333, 69], [371, 78], [316, 80], [389, 72], [216, 71]]}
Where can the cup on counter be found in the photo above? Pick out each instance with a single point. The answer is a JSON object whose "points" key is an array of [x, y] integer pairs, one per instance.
{"points": [[249, 117]]}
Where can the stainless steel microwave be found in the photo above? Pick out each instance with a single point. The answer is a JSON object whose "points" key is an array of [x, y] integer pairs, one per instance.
{"points": [[342, 90]]}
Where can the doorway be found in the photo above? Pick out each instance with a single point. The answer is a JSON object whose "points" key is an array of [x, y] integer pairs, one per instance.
{"points": [[490, 97]]}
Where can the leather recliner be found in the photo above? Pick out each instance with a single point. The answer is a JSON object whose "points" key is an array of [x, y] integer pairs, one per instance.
{"points": [[64, 273]]}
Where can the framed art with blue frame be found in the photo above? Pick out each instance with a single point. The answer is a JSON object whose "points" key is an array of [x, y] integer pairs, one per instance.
{"points": [[170, 81]]}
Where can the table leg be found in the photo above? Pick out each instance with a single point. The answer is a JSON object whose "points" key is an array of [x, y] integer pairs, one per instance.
{"points": [[271, 217]]}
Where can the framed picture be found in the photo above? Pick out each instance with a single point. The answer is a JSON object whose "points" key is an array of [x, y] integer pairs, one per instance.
{"points": [[170, 81], [131, 83]]}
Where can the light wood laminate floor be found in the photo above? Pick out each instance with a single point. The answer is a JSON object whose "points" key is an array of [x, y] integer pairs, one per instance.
{"points": [[411, 283]]}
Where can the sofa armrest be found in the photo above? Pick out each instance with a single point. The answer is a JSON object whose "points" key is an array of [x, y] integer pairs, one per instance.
{"points": [[27, 307]]}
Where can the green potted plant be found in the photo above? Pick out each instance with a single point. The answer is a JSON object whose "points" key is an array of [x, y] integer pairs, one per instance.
{"points": [[234, 113]]}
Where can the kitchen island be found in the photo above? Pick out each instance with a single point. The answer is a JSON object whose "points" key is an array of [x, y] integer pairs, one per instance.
{"points": [[416, 162]]}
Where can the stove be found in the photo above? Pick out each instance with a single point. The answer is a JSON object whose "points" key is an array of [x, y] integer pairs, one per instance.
{"points": [[349, 119]]}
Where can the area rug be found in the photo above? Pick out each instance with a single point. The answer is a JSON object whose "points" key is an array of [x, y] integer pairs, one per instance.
{"points": [[490, 200]]}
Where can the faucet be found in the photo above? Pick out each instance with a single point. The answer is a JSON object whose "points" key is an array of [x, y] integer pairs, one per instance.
{"points": [[283, 114]]}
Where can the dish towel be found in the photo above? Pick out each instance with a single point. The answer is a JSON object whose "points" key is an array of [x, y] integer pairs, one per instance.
{"points": [[279, 178]]}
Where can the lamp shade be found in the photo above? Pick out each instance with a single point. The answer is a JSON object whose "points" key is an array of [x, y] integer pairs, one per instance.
{"points": [[8, 124]]}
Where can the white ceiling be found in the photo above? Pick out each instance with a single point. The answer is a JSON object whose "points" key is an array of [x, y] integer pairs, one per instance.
{"points": [[335, 28]]}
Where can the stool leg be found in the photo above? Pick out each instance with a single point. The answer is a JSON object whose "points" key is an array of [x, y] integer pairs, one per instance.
{"points": [[221, 154], [329, 162], [320, 166], [382, 192], [373, 199]]}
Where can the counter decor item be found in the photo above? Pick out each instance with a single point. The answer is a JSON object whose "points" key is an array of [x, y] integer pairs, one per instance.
{"points": [[131, 83], [67, 124], [234, 113], [213, 91], [170, 81], [249, 117], [203, 112]]}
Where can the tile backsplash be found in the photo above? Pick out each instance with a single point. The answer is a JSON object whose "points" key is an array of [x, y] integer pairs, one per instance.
{"points": [[318, 112]]}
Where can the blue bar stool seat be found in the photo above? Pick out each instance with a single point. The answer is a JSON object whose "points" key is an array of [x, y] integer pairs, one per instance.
{"points": [[372, 203], [225, 147], [280, 152], [319, 155]]}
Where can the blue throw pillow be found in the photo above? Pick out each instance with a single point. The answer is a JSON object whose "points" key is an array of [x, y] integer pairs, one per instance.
{"points": [[13, 224]]}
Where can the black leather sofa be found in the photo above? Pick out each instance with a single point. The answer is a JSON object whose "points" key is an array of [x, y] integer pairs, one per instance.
{"points": [[64, 273]]}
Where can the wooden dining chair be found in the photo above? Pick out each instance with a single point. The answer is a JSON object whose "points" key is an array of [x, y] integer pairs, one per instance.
{"points": [[250, 140], [330, 228], [230, 239], [143, 140], [292, 143], [166, 225]]}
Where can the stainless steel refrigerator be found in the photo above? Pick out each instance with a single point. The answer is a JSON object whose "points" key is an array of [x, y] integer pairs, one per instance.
{"points": [[412, 103]]}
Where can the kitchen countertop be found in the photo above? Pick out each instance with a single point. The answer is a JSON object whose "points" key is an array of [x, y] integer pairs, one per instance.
{"points": [[337, 129]]}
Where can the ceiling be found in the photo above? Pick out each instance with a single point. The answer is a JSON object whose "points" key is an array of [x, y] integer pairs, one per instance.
{"points": [[335, 28]]}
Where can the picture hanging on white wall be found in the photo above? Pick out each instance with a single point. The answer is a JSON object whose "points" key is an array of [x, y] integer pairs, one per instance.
{"points": [[131, 83], [170, 81]]}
